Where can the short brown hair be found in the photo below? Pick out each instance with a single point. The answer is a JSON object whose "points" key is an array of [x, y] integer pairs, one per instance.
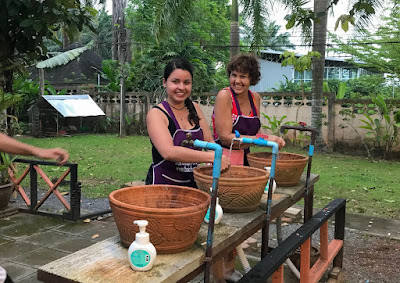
{"points": [[245, 63]]}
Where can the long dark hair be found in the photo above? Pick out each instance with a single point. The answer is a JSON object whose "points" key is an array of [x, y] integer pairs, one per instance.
{"points": [[183, 64]]}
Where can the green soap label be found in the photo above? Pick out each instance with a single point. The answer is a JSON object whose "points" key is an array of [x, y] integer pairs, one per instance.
{"points": [[207, 217], [140, 258]]}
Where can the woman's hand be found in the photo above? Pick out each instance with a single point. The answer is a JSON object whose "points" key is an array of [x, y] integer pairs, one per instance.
{"points": [[225, 163], [280, 141], [58, 154]]}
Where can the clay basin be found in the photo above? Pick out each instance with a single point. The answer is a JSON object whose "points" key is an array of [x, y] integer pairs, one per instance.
{"points": [[289, 166], [174, 213], [239, 189]]}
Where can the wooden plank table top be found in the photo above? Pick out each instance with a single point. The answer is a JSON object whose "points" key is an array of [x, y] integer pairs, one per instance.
{"points": [[107, 260]]}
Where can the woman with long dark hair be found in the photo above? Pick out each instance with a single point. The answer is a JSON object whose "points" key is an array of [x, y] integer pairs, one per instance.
{"points": [[167, 125]]}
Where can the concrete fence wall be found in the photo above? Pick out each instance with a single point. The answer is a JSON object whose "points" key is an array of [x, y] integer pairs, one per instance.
{"points": [[337, 128]]}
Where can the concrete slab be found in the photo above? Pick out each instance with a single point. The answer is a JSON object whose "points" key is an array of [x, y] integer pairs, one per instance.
{"points": [[29, 279], [4, 240], [27, 224], [13, 249], [18, 271], [39, 257], [47, 238], [77, 228], [101, 233], [389, 228], [73, 244], [8, 211]]}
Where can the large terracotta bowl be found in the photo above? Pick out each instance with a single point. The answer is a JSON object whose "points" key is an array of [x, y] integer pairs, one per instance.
{"points": [[174, 213], [289, 166], [240, 188]]}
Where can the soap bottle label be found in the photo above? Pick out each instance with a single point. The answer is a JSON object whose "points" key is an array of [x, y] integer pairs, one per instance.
{"points": [[207, 217], [140, 258]]}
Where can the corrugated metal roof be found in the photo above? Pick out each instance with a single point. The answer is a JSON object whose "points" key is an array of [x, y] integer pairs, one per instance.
{"points": [[74, 105]]}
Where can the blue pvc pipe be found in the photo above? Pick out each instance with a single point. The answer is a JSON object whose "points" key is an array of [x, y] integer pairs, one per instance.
{"points": [[262, 142], [217, 157], [216, 174]]}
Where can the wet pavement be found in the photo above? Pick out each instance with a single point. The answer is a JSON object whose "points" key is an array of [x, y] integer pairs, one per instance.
{"points": [[28, 241]]}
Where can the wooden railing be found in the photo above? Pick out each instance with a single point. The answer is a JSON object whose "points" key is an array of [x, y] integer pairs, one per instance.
{"points": [[271, 266], [33, 169]]}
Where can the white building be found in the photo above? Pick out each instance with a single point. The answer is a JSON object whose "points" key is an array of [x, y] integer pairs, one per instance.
{"points": [[272, 72]]}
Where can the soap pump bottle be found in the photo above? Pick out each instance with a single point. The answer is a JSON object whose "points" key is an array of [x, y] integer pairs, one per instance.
{"points": [[218, 213], [273, 184], [141, 252]]}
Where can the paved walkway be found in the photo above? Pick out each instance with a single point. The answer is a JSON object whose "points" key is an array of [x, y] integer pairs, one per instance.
{"points": [[29, 241]]}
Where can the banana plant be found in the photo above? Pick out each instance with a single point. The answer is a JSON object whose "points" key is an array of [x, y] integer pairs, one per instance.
{"points": [[383, 129]]}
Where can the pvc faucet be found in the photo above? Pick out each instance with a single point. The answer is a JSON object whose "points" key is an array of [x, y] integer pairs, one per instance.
{"points": [[275, 150], [216, 173]]}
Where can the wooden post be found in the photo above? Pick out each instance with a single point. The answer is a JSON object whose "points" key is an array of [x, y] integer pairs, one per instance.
{"points": [[41, 81], [331, 120]]}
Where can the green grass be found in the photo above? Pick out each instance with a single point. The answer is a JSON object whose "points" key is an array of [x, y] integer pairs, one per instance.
{"points": [[106, 163]]}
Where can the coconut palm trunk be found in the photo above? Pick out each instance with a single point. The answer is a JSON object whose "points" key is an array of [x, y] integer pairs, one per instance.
{"points": [[318, 66], [234, 36]]}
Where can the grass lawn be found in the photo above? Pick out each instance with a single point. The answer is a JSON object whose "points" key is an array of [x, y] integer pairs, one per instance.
{"points": [[106, 163]]}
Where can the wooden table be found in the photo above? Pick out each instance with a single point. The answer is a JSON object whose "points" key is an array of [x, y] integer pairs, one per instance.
{"points": [[108, 260]]}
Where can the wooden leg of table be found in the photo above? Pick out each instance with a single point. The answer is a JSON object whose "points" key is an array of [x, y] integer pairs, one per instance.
{"points": [[229, 263], [308, 203], [217, 270]]}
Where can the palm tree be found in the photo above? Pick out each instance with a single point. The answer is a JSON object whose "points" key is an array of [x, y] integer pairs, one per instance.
{"points": [[361, 10], [272, 39], [307, 20], [234, 36]]}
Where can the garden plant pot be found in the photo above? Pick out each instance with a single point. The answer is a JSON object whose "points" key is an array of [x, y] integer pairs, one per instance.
{"points": [[5, 194], [174, 213], [239, 189], [289, 166]]}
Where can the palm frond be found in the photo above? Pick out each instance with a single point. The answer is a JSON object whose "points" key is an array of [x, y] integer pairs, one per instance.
{"points": [[63, 58]]}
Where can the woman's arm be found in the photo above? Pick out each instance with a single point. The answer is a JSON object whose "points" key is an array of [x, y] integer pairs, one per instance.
{"points": [[223, 117], [13, 146]]}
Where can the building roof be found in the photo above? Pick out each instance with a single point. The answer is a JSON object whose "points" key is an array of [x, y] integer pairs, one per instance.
{"points": [[272, 55], [72, 105]]}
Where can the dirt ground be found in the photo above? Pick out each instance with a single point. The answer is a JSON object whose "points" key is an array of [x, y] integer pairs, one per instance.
{"points": [[367, 259], [370, 259]]}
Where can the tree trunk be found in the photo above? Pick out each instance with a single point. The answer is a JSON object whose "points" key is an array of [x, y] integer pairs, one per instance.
{"points": [[234, 34], [114, 33], [318, 66], [66, 41], [121, 32], [6, 63]]}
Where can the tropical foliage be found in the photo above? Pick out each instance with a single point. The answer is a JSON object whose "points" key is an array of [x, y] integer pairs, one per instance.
{"points": [[273, 39], [197, 38], [384, 130], [313, 23], [25, 24], [377, 50]]}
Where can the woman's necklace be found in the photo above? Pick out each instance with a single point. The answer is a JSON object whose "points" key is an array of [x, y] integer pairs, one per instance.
{"points": [[179, 109]]}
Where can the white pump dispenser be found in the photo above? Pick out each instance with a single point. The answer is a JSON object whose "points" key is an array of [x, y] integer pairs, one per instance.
{"points": [[218, 213], [141, 252], [267, 186]]}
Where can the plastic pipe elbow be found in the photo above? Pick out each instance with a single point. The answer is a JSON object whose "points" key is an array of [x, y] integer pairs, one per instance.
{"points": [[217, 156]]}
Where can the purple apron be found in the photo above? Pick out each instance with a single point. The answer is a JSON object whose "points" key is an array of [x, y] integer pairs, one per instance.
{"points": [[177, 173], [245, 125]]}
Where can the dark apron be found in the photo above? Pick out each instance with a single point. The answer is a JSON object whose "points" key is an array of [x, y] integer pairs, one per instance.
{"points": [[247, 126], [177, 173]]}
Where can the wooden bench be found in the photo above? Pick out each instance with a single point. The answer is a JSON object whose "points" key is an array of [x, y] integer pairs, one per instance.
{"points": [[107, 261]]}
